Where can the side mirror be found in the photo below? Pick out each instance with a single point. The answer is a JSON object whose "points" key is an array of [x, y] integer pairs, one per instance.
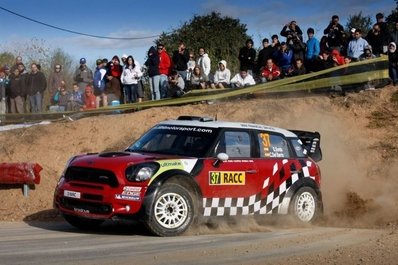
{"points": [[221, 157]]}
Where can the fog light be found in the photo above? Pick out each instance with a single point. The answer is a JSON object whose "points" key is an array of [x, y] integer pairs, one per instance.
{"points": [[127, 208]]}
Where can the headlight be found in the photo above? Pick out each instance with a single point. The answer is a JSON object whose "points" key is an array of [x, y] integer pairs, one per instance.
{"points": [[141, 172]]}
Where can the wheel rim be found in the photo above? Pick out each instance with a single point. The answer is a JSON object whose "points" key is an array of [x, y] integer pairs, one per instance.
{"points": [[305, 207], [171, 210]]}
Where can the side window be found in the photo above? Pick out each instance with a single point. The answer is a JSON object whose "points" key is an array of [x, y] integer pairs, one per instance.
{"points": [[298, 148], [273, 145], [235, 143]]}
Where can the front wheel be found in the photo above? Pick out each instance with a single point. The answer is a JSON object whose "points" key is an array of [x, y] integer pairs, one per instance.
{"points": [[171, 212], [305, 205]]}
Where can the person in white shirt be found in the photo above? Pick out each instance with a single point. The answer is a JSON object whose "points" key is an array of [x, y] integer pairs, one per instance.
{"points": [[204, 63], [130, 77], [222, 76], [242, 79]]}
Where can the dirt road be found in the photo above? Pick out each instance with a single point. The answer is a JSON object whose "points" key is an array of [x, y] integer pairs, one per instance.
{"points": [[59, 243]]}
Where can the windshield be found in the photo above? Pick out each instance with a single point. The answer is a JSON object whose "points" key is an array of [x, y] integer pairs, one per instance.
{"points": [[176, 140]]}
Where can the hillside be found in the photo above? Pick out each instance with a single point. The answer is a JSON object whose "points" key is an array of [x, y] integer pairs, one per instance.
{"points": [[359, 139]]}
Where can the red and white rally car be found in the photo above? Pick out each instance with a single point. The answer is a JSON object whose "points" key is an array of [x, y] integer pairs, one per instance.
{"points": [[192, 167]]}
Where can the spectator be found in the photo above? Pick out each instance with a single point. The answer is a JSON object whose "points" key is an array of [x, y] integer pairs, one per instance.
{"points": [[394, 35], [335, 34], [113, 73], [337, 58], [313, 49], [270, 72], [298, 47], [357, 45], [275, 44], [367, 54], [298, 68], [83, 75], [62, 99], [323, 45], [283, 58], [3, 85], [18, 60], [123, 58], [152, 63], [265, 54], [55, 79], [292, 30], [198, 80], [23, 75], [176, 84], [16, 92], [324, 61], [204, 63], [36, 85], [164, 70], [393, 63], [384, 32], [222, 76], [55, 98], [247, 56], [75, 102], [242, 79], [375, 39], [180, 60], [190, 66], [130, 77], [90, 100], [99, 84]]}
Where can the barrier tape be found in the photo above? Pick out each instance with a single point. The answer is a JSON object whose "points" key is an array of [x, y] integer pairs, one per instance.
{"points": [[311, 81]]}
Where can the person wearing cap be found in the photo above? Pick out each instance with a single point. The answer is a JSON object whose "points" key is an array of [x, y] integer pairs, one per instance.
{"points": [[83, 75], [99, 84], [265, 53], [36, 85]]}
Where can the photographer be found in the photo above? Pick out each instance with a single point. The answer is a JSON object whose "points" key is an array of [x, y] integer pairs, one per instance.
{"points": [[293, 30], [335, 33]]}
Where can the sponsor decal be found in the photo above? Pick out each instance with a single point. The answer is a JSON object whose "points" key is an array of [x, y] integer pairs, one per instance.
{"points": [[227, 177], [131, 188], [176, 163], [127, 197]]}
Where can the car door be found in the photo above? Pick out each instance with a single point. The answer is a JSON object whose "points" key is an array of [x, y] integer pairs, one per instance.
{"points": [[276, 169], [228, 184]]}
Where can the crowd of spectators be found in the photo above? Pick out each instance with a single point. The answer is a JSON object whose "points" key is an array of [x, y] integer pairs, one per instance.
{"points": [[119, 80]]}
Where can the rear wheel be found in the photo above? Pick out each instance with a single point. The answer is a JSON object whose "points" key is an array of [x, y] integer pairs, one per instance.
{"points": [[171, 212], [83, 223], [305, 205]]}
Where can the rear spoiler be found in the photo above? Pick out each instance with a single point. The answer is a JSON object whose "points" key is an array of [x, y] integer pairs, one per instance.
{"points": [[311, 142]]}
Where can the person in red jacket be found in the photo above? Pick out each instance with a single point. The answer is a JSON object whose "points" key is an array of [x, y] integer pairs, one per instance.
{"points": [[270, 72], [164, 70], [337, 58], [90, 100]]}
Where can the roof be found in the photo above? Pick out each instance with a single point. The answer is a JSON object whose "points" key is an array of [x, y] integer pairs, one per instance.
{"points": [[225, 124]]}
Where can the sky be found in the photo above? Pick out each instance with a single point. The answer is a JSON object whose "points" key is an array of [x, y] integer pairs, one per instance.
{"points": [[150, 18]]}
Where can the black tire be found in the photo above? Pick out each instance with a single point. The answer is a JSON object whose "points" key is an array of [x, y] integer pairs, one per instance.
{"points": [[171, 212], [83, 223], [306, 206]]}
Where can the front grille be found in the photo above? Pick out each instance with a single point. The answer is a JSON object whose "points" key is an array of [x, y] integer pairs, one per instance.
{"points": [[91, 175], [91, 207], [92, 197]]}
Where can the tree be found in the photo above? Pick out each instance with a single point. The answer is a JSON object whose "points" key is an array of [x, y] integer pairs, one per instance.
{"points": [[6, 58], [358, 21], [222, 37], [392, 18]]}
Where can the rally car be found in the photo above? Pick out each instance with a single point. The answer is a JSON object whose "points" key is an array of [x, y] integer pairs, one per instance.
{"points": [[191, 168]]}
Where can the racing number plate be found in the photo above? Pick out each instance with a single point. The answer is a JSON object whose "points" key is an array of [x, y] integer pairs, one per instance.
{"points": [[72, 194]]}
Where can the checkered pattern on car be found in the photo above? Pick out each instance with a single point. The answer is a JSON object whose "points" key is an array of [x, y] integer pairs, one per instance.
{"points": [[264, 202]]}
